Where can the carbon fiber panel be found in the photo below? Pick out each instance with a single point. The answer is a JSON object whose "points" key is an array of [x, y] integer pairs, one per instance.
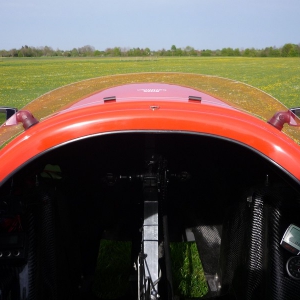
{"points": [[284, 209], [252, 260]]}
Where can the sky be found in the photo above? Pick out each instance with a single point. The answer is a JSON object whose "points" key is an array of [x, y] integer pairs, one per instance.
{"points": [[156, 24]]}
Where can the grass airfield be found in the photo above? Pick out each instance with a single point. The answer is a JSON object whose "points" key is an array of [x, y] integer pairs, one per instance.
{"points": [[24, 79]]}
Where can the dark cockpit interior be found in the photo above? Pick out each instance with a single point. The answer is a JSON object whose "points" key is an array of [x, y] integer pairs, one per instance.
{"points": [[146, 196]]}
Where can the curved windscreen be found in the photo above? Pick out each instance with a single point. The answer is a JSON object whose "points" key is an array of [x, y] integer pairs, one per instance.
{"points": [[237, 94]]}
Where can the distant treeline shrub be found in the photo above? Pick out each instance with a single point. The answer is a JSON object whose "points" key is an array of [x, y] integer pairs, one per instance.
{"points": [[288, 50]]}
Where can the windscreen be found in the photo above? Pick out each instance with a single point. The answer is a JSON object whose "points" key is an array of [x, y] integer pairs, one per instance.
{"points": [[237, 94]]}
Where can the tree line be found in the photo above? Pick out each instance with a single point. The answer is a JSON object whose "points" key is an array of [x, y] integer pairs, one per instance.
{"points": [[288, 50]]}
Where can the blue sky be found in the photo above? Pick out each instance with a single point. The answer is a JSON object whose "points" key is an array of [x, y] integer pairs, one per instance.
{"points": [[157, 24]]}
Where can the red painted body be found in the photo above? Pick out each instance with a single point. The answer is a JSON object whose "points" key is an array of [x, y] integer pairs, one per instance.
{"points": [[151, 107]]}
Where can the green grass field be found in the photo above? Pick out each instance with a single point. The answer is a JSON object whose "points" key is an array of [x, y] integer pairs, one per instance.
{"points": [[24, 79]]}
